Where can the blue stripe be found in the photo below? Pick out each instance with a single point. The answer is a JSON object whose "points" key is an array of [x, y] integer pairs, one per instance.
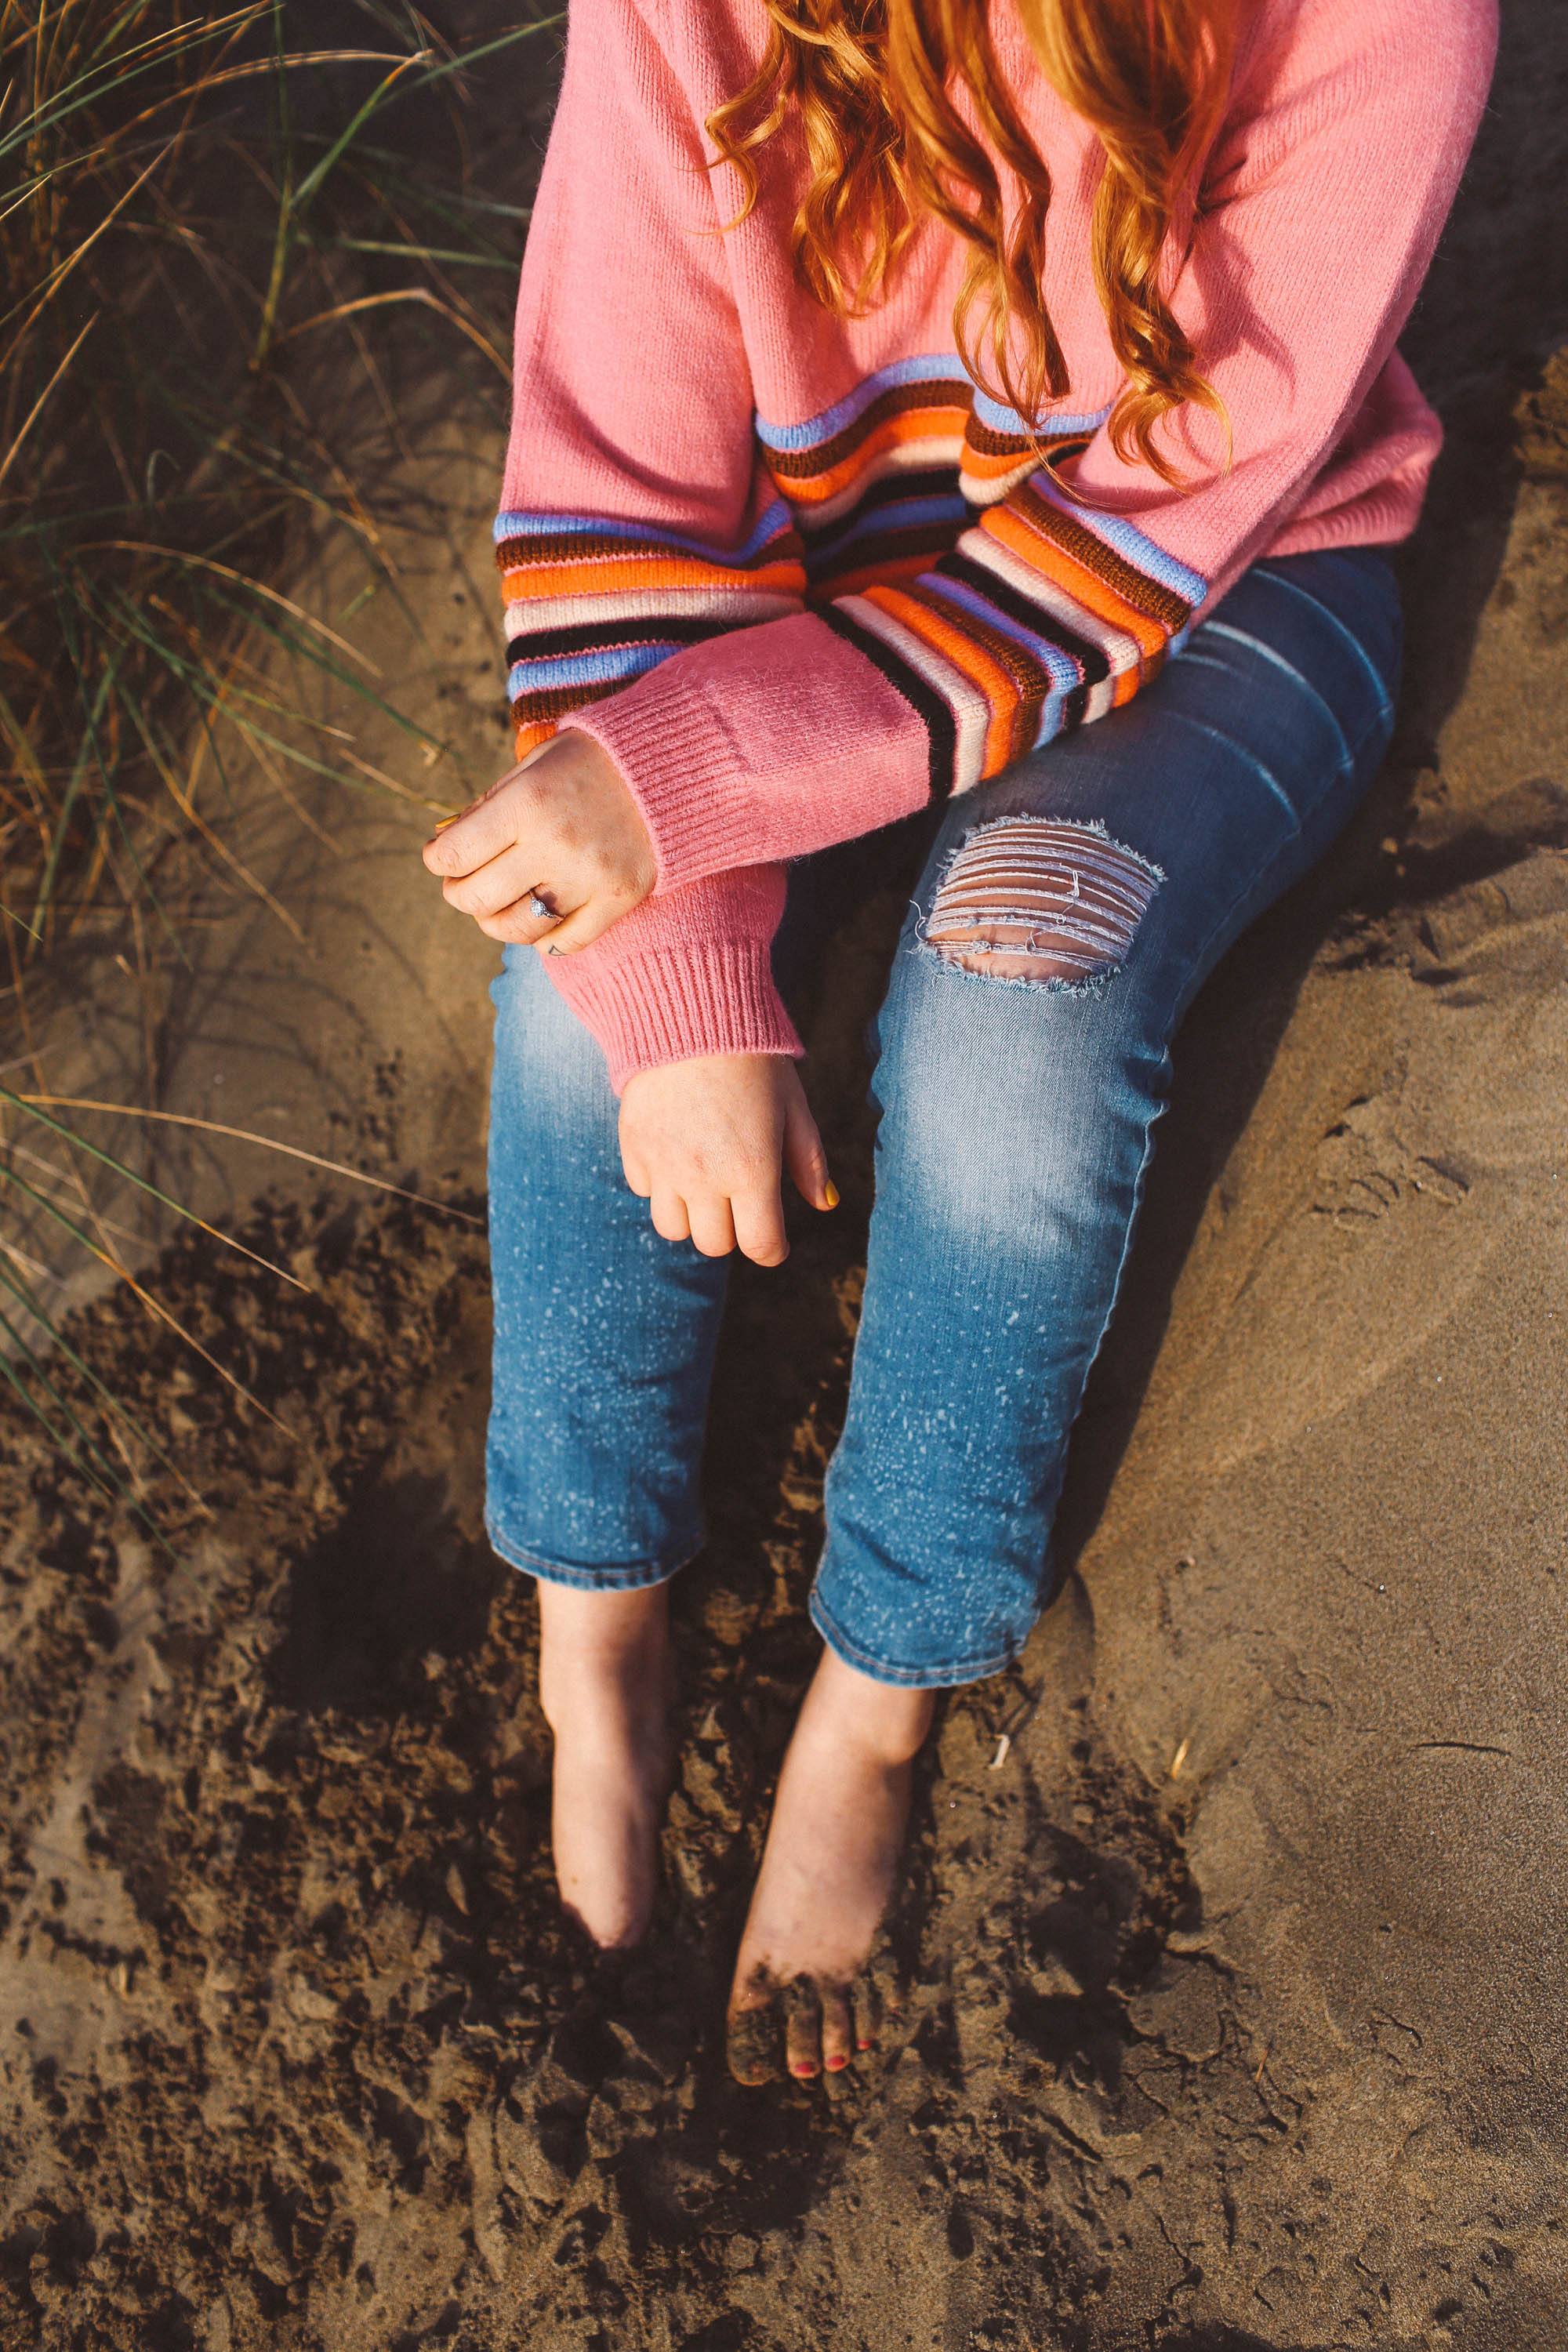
{"points": [[606, 668], [774, 522], [1053, 715], [999, 419], [928, 367]]}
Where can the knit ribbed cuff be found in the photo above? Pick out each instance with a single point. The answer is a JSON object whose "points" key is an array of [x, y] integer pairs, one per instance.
{"points": [[673, 1004], [681, 768]]}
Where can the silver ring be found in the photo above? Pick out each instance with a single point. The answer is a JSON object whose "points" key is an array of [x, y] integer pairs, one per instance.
{"points": [[541, 908]]}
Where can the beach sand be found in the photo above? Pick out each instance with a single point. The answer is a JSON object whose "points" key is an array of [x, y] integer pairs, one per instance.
{"points": [[1237, 1911]]}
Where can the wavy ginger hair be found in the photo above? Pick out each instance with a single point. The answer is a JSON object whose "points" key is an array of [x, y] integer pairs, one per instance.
{"points": [[872, 84]]}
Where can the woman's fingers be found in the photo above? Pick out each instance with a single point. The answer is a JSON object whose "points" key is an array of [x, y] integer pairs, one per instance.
{"points": [[668, 1210], [712, 1226], [759, 1225], [716, 1225], [477, 834], [803, 1155], [486, 889], [520, 923], [500, 895], [583, 924]]}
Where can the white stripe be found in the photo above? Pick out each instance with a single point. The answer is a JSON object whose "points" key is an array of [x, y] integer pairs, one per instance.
{"points": [[529, 615], [1121, 650], [990, 491], [971, 712], [907, 457]]}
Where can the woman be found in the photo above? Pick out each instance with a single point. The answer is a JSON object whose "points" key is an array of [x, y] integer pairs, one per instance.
{"points": [[918, 405]]}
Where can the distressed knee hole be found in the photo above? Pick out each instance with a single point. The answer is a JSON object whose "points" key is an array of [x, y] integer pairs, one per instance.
{"points": [[1040, 898]]}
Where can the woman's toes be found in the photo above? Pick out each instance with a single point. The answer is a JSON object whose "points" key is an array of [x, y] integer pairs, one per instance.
{"points": [[754, 2041], [837, 2028], [866, 2012], [802, 2028], [614, 1925]]}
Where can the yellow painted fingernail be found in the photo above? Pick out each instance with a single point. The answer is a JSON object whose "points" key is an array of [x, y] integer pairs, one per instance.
{"points": [[830, 1193]]}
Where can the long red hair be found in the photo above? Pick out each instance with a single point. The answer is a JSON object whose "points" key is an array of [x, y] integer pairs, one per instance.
{"points": [[872, 86]]}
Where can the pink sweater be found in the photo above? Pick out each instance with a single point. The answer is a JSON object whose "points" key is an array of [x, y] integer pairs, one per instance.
{"points": [[797, 574]]}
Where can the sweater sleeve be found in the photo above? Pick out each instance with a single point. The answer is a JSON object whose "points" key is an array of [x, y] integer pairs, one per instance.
{"points": [[637, 521], [1316, 223]]}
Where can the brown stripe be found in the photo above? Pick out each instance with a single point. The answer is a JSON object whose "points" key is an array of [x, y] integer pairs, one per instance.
{"points": [[1144, 595], [986, 443], [581, 546], [992, 443], [801, 465], [553, 702]]}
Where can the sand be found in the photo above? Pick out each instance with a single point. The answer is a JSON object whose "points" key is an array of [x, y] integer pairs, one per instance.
{"points": [[1236, 1914]]}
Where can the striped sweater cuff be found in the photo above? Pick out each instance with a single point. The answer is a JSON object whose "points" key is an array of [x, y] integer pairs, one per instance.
{"points": [[760, 745], [680, 763], [674, 1003]]}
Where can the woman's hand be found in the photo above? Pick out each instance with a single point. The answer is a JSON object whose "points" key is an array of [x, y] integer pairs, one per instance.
{"points": [[562, 827], [704, 1143]]}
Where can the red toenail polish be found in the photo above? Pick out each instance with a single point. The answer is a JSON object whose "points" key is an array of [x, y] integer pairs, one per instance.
{"points": [[835, 2064], [807, 2071], [865, 2045]]}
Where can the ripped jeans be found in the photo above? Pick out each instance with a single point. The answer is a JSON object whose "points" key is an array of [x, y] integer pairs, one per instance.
{"points": [[1067, 914]]}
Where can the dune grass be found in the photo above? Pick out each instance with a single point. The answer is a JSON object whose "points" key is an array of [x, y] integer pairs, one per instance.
{"points": [[208, 221]]}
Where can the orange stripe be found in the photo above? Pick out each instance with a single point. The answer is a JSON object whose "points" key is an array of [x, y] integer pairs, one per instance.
{"points": [[914, 425], [1076, 541], [1084, 586], [598, 576], [996, 683], [529, 734], [986, 464], [1029, 679]]}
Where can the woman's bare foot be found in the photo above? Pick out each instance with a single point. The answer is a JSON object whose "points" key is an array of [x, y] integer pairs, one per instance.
{"points": [[828, 1876], [604, 1683]]}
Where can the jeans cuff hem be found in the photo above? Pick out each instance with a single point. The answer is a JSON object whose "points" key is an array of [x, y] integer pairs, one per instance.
{"points": [[876, 1670], [632, 1577]]}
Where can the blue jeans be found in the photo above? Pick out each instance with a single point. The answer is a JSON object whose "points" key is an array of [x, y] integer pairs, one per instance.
{"points": [[1017, 1124]]}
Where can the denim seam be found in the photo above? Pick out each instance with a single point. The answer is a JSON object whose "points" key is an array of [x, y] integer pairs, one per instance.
{"points": [[590, 1579], [904, 1678], [1239, 899]]}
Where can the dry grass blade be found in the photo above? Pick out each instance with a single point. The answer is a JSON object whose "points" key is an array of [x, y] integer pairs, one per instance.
{"points": [[36, 1109], [403, 294], [153, 1306], [248, 1135], [38, 405], [73, 260], [184, 557], [113, 1409], [160, 1314]]}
